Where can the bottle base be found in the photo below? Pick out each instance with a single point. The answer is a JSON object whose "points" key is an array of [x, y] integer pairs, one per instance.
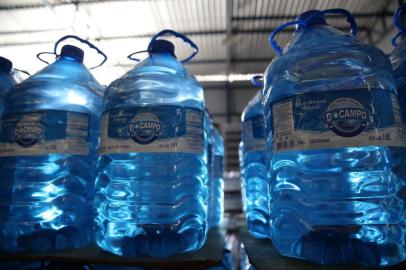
{"points": [[45, 240], [368, 245], [153, 240]]}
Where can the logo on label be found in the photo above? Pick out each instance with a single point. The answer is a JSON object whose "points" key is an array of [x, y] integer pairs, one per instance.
{"points": [[144, 128], [28, 131], [346, 117]]}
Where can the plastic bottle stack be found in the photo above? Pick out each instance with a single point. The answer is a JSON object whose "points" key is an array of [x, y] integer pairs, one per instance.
{"points": [[216, 181], [6, 79], [253, 158], [48, 154], [334, 129], [152, 182]]}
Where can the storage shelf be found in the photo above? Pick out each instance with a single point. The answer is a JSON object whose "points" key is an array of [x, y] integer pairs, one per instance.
{"points": [[208, 256], [263, 256]]}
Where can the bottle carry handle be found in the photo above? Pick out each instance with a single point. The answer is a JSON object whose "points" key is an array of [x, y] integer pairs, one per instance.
{"points": [[91, 45], [170, 32], [22, 71], [258, 80], [347, 14], [397, 22]]}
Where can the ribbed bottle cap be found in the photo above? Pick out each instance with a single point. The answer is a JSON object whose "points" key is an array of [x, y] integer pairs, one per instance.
{"points": [[5, 65], [73, 52], [316, 20], [163, 46]]}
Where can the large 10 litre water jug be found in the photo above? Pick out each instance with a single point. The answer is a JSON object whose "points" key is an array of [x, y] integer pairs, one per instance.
{"points": [[335, 130], [255, 181], [398, 58], [48, 154], [152, 183], [6, 79], [216, 181]]}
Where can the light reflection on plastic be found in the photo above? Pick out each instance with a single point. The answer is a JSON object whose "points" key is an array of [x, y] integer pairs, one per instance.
{"points": [[50, 214], [225, 78], [74, 98]]}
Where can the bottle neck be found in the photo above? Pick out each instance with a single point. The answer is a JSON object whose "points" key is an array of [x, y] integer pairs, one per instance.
{"points": [[69, 58]]}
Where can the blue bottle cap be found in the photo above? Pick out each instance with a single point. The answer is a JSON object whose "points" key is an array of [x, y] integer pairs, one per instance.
{"points": [[5, 65], [316, 20], [72, 52], [163, 46]]}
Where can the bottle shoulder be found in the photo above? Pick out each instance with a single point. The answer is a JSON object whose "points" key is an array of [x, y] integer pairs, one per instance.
{"points": [[254, 108], [6, 82], [58, 86], [326, 64], [154, 86]]}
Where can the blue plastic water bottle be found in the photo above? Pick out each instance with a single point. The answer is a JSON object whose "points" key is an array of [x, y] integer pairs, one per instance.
{"points": [[334, 129], [210, 140], [255, 181], [242, 177], [152, 177], [48, 153], [398, 58], [216, 182], [6, 80]]}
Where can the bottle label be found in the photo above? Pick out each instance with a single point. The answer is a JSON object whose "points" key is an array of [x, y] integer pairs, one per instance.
{"points": [[164, 128], [336, 119], [253, 133], [44, 132]]}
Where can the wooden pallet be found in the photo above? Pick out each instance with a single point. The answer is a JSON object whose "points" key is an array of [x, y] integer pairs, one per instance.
{"points": [[263, 256], [209, 255]]}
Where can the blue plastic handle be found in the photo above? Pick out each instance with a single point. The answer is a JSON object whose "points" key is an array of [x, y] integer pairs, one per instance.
{"points": [[347, 14], [399, 25], [169, 32], [397, 16], [258, 80], [136, 59], [91, 45], [341, 11], [395, 37], [272, 40], [22, 71]]}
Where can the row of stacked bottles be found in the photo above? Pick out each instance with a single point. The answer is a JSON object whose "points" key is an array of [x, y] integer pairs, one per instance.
{"points": [[322, 154], [128, 167]]}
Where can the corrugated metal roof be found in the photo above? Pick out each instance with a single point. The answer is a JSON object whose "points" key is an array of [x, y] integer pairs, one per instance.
{"points": [[122, 27]]}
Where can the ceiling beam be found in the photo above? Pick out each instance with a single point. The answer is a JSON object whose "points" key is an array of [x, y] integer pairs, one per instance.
{"points": [[189, 33], [293, 17], [229, 55], [62, 3]]}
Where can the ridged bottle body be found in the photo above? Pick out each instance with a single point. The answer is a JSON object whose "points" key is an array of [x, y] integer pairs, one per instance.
{"points": [[152, 176], [49, 138], [335, 149], [6, 82], [255, 181], [216, 182]]}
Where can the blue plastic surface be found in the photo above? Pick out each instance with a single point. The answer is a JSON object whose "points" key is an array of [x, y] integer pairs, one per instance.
{"points": [[152, 196], [253, 163], [49, 138], [336, 204], [216, 181], [6, 80]]}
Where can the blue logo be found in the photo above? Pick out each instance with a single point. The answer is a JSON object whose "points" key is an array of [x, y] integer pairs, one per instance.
{"points": [[346, 117], [28, 131], [144, 128]]}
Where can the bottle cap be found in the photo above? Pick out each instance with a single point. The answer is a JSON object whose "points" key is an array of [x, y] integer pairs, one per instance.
{"points": [[73, 52], [163, 46], [5, 65]]}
